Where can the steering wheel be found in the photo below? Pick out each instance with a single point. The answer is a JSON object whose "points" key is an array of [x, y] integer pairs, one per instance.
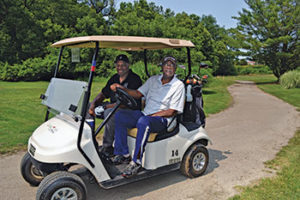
{"points": [[125, 98]]}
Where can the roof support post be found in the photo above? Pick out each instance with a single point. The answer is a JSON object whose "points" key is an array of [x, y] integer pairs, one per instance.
{"points": [[58, 61], [145, 62], [189, 63], [85, 105]]}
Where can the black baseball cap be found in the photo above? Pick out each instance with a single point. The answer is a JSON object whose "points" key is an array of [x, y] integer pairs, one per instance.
{"points": [[122, 57], [169, 58]]}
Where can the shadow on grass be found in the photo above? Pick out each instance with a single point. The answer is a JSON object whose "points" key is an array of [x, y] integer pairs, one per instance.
{"points": [[267, 83], [208, 92]]}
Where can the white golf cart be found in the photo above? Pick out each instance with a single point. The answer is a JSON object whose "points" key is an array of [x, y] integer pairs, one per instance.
{"points": [[66, 139]]}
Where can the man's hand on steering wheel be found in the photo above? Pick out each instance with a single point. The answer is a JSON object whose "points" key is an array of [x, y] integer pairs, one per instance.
{"points": [[114, 87]]}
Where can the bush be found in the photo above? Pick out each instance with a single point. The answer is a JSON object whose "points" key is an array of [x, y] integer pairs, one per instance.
{"points": [[225, 67], [252, 69], [32, 69], [8, 73], [139, 68], [290, 79]]}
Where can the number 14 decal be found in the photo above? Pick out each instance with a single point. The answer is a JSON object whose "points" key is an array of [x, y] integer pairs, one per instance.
{"points": [[174, 152]]}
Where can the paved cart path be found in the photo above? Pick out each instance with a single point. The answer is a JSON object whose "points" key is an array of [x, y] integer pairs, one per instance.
{"points": [[244, 136]]}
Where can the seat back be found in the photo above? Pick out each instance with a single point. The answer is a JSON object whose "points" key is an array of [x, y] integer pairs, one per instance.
{"points": [[171, 130]]}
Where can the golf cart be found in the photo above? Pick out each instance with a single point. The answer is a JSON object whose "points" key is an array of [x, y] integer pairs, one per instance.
{"points": [[67, 139]]}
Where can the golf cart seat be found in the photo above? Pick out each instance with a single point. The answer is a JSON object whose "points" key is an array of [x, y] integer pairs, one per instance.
{"points": [[172, 129]]}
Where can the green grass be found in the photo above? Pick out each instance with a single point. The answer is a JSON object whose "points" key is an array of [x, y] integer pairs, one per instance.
{"points": [[216, 96], [21, 111]]}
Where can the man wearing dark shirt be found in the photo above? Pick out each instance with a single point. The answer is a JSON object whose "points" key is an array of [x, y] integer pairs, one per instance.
{"points": [[126, 78]]}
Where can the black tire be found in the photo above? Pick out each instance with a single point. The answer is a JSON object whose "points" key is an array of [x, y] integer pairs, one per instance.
{"points": [[61, 184], [195, 161], [29, 172]]}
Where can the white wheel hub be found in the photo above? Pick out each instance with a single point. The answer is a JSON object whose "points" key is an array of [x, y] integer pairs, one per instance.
{"points": [[65, 193], [199, 161]]}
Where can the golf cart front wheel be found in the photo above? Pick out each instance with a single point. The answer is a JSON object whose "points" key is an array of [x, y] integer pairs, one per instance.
{"points": [[61, 185], [30, 173], [195, 161]]}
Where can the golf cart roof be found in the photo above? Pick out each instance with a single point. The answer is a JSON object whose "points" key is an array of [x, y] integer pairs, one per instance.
{"points": [[126, 43]]}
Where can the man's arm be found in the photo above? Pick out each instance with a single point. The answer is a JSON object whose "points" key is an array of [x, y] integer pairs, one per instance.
{"points": [[134, 93], [98, 99], [165, 113]]}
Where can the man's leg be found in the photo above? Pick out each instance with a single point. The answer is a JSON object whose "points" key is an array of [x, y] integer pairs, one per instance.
{"points": [[90, 119], [124, 119], [146, 125], [109, 130]]}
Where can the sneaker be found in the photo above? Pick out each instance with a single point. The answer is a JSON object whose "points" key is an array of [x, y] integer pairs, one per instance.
{"points": [[107, 151], [131, 169], [119, 159]]}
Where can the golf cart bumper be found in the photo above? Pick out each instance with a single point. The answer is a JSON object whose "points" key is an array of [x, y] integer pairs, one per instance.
{"points": [[55, 141]]}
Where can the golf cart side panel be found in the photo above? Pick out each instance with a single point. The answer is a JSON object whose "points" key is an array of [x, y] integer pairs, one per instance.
{"points": [[196, 136], [57, 144], [169, 150]]}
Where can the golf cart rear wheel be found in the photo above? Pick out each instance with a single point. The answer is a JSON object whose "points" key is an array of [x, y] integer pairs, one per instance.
{"points": [[30, 173], [61, 185], [195, 161]]}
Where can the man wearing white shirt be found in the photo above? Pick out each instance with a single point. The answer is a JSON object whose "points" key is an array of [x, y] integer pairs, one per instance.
{"points": [[164, 95]]}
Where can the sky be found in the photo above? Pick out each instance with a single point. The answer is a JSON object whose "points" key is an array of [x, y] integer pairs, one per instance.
{"points": [[222, 10]]}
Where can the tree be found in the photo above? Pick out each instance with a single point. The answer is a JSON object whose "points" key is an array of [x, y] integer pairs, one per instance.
{"points": [[103, 6], [269, 29]]}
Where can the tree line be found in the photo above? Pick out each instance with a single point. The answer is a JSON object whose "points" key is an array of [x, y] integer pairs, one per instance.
{"points": [[29, 27]]}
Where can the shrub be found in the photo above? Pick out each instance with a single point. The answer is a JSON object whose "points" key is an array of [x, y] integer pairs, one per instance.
{"points": [[252, 69], [8, 72], [139, 68], [32, 69], [226, 68], [290, 79]]}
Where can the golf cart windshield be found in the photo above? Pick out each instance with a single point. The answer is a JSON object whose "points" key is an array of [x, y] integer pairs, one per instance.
{"points": [[65, 96]]}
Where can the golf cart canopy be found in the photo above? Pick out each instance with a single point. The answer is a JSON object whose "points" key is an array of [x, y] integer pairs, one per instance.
{"points": [[125, 43]]}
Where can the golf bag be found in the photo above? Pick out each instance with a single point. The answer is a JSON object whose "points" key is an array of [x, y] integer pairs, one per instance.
{"points": [[193, 113]]}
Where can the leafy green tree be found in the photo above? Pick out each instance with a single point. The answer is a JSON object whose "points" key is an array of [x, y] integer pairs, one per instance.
{"points": [[28, 27], [269, 29]]}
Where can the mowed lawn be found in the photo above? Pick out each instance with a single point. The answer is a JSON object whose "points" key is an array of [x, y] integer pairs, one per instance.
{"points": [[21, 112]]}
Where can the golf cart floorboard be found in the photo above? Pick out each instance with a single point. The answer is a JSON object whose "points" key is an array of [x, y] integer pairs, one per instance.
{"points": [[143, 174]]}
